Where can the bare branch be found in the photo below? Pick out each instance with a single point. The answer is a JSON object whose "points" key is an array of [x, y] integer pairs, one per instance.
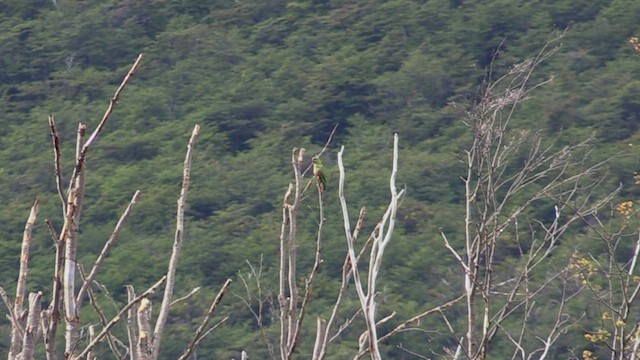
{"points": [[74, 196], [183, 298], [107, 247], [420, 316], [12, 316], [93, 300], [107, 113], [177, 245], [259, 313], [117, 318], [345, 325], [320, 153], [198, 335], [210, 330], [57, 154]]}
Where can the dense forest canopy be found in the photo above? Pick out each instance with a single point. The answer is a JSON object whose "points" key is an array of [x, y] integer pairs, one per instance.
{"points": [[262, 77]]}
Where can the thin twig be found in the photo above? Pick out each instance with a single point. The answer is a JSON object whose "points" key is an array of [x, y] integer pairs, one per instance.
{"points": [[320, 153], [112, 105], [57, 155], [93, 300], [117, 318], [190, 294], [199, 335], [107, 247], [212, 329], [9, 305]]}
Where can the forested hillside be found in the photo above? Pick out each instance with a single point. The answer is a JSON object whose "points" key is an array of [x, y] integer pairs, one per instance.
{"points": [[263, 77]]}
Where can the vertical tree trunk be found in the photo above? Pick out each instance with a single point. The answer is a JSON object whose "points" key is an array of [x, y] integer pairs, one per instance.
{"points": [[144, 348], [32, 328], [70, 236]]}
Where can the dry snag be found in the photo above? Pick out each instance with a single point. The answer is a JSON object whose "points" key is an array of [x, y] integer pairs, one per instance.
{"points": [[28, 324]]}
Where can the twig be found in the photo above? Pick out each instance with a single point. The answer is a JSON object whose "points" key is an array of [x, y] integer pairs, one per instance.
{"points": [[57, 154], [326, 144], [112, 106], [417, 355], [107, 247], [212, 329], [319, 154], [177, 245], [198, 335], [7, 303], [82, 152], [117, 318], [12, 315], [258, 315], [190, 294], [415, 318], [93, 300], [346, 324]]}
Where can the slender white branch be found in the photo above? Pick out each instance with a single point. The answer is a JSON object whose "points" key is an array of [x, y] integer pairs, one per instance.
{"points": [[177, 246], [200, 333], [107, 247]]}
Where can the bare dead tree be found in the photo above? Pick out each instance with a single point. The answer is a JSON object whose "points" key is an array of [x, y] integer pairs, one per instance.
{"points": [[291, 312], [201, 333], [612, 284], [70, 228], [28, 324], [380, 240], [365, 285], [494, 210]]}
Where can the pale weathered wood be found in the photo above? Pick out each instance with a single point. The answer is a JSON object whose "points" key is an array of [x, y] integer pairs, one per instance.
{"points": [[17, 324], [32, 328], [177, 245]]}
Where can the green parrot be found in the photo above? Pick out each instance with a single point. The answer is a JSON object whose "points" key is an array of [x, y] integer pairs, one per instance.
{"points": [[318, 173]]}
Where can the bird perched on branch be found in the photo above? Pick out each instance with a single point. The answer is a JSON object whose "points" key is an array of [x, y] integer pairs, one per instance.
{"points": [[318, 173]]}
